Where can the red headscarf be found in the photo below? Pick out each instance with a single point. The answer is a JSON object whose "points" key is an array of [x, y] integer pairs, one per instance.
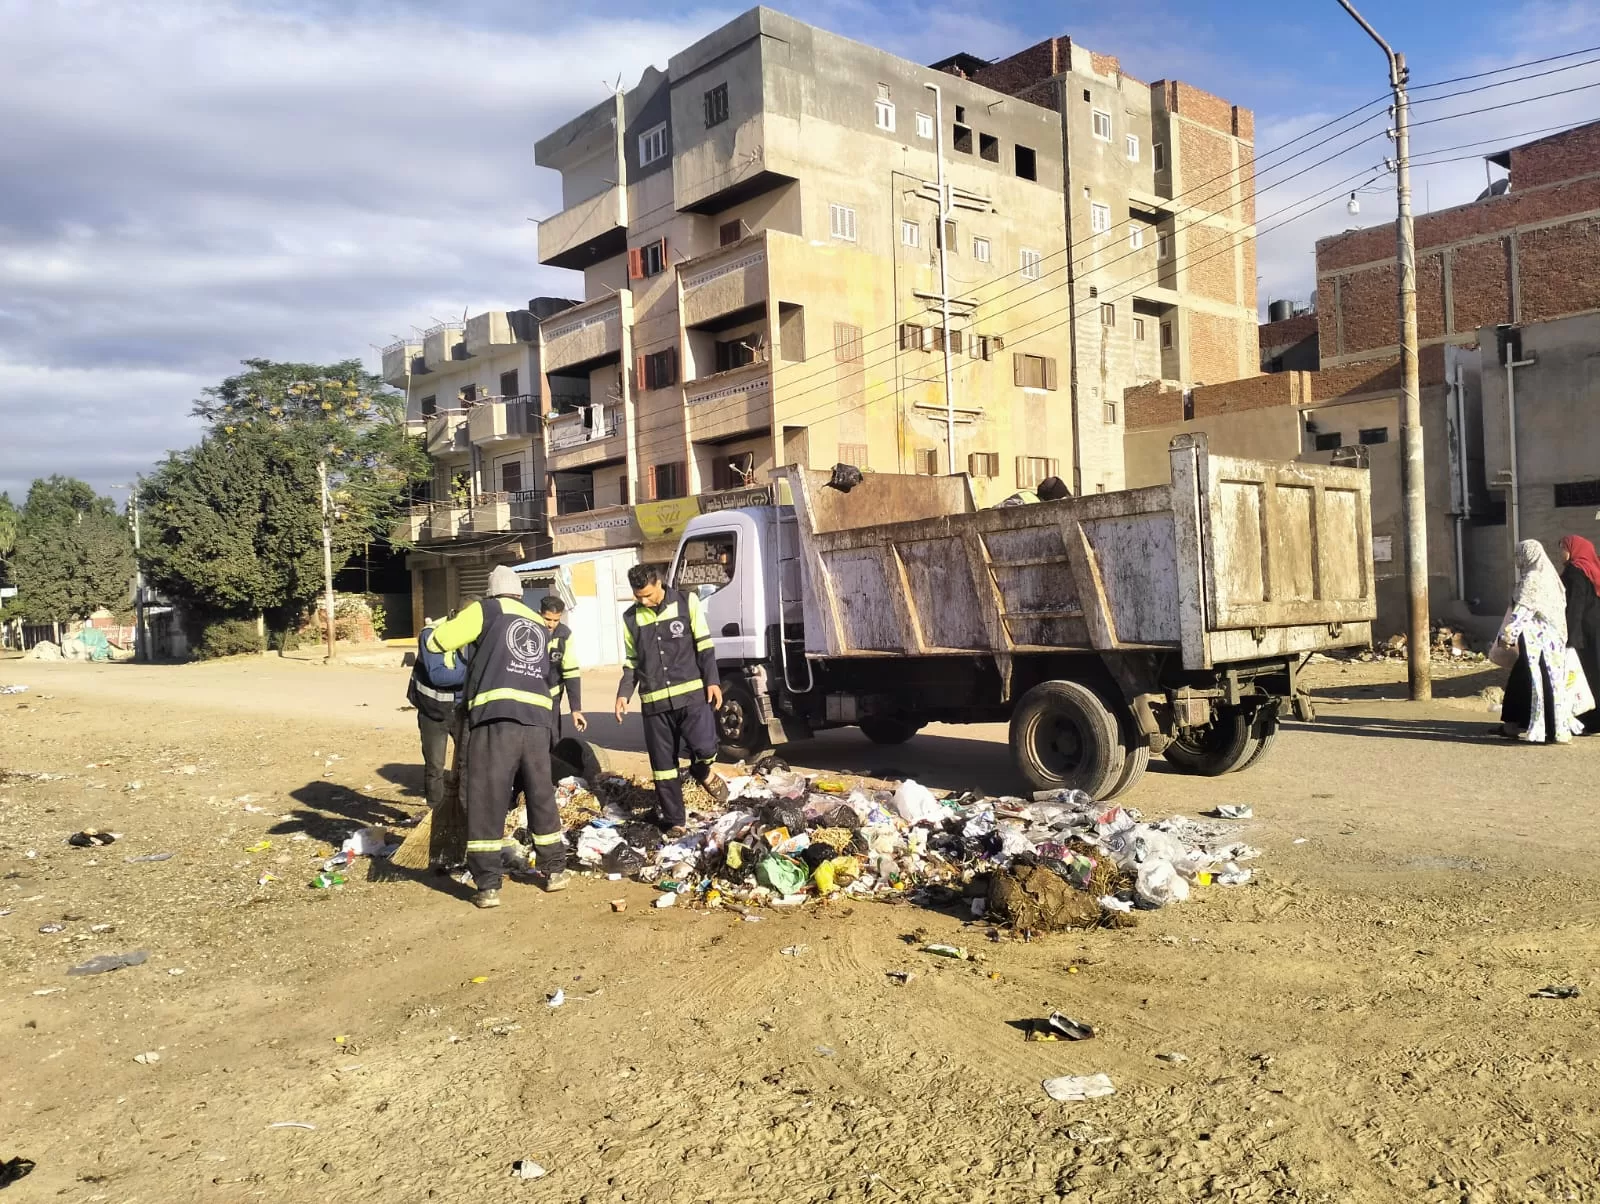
{"points": [[1581, 552]]}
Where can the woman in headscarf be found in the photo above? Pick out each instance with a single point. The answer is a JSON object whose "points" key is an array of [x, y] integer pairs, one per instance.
{"points": [[1535, 707], [1581, 577]]}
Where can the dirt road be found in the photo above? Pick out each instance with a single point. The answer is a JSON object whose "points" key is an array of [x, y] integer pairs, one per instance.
{"points": [[1357, 1022]]}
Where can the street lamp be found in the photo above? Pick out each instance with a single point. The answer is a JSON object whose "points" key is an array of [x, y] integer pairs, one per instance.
{"points": [[141, 647], [1414, 495]]}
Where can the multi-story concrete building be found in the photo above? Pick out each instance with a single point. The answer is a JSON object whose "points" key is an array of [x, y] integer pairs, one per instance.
{"points": [[760, 229], [473, 390]]}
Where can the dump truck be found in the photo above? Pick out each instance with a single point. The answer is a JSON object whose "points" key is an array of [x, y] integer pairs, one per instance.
{"points": [[1171, 620]]}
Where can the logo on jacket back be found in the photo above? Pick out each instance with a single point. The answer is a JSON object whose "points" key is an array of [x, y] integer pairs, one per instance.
{"points": [[525, 641]]}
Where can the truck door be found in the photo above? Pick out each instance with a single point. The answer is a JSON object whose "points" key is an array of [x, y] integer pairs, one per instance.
{"points": [[720, 566]]}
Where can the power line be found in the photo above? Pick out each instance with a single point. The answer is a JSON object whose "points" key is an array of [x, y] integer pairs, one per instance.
{"points": [[1521, 79], [1439, 83]]}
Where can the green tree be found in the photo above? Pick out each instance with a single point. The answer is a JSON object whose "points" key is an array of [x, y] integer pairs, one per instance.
{"points": [[8, 536], [73, 553], [234, 525]]}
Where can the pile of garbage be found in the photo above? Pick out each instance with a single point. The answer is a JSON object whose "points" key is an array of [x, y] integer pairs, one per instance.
{"points": [[1449, 644], [1058, 860]]}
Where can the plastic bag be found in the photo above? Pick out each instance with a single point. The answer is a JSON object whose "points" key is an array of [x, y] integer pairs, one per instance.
{"points": [[1579, 694], [782, 874], [594, 843], [916, 805], [1159, 883]]}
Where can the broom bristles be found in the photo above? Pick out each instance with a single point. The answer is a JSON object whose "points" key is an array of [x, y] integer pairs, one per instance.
{"points": [[413, 851]]}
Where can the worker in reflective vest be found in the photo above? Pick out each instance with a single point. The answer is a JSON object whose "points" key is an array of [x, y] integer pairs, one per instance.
{"points": [[565, 673], [667, 652], [435, 691], [511, 725]]}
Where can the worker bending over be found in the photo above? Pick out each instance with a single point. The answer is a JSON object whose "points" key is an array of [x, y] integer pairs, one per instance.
{"points": [[565, 672]]}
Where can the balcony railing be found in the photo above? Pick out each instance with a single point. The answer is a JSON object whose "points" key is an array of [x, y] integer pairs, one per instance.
{"points": [[447, 433], [445, 521], [409, 526], [575, 429], [730, 280], [493, 513], [583, 334], [503, 419], [589, 231]]}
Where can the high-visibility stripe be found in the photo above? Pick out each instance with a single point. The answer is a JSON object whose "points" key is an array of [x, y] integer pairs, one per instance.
{"points": [[686, 687], [437, 695], [702, 645], [484, 846], [548, 838], [573, 672], [664, 775], [507, 694], [644, 617]]}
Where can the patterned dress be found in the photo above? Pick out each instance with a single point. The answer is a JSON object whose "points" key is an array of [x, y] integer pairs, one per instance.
{"points": [[1545, 648]]}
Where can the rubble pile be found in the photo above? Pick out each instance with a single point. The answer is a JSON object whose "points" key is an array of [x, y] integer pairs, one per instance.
{"points": [[1058, 860], [1449, 645]]}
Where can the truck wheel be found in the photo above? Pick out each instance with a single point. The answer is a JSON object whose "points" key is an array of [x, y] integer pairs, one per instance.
{"points": [[1064, 738], [1220, 747], [888, 729], [1133, 767], [1266, 739], [740, 731], [585, 760]]}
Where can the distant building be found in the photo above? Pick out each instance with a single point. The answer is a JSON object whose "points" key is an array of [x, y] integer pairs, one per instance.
{"points": [[1290, 344]]}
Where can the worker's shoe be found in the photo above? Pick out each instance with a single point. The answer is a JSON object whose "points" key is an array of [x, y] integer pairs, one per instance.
{"points": [[487, 898], [559, 880], [716, 787], [675, 832]]}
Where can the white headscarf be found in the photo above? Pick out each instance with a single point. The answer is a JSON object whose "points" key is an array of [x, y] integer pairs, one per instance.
{"points": [[1539, 587]]}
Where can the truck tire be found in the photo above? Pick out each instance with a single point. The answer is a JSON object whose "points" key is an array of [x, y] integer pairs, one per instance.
{"points": [[741, 733], [1219, 748], [584, 760], [1267, 736], [1133, 767], [889, 729], [1064, 738]]}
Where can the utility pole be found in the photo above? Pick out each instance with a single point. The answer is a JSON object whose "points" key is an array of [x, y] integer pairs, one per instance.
{"points": [[327, 550], [1414, 504], [944, 277], [141, 647]]}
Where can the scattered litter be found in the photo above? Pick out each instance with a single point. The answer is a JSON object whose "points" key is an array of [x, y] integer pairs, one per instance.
{"points": [[327, 881], [555, 999], [13, 689], [826, 1051], [49, 990], [1177, 1059], [1112, 903], [147, 1059], [261, 846], [110, 961], [266, 878], [368, 842], [149, 857], [795, 950], [1300, 840], [91, 838], [13, 1169], [619, 905], [175, 971], [1059, 1028], [667, 900], [482, 978], [99, 928], [50, 929], [526, 1168], [1554, 992], [902, 976], [1233, 811], [292, 1124], [952, 951], [1079, 1087]]}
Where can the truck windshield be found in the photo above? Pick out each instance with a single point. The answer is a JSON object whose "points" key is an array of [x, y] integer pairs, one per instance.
{"points": [[707, 563]]}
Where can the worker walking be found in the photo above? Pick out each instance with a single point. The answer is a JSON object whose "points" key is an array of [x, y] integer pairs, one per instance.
{"points": [[565, 673], [511, 728], [667, 652]]}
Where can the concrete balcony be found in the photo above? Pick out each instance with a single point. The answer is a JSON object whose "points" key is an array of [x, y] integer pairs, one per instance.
{"points": [[485, 332], [727, 285], [447, 434], [443, 345], [570, 444], [595, 530], [730, 403], [397, 359], [587, 233], [409, 527], [445, 521], [503, 420], [499, 513], [587, 333]]}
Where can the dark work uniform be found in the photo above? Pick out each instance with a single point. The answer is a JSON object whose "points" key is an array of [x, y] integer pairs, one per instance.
{"points": [[565, 674], [511, 724], [435, 690], [668, 651]]}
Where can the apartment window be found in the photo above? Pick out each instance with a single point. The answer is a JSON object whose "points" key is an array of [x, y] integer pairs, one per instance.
{"points": [[1138, 330], [911, 234], [1136, 236], [1033, 371], [885, 115], [659, 369], [1332, 441], [983, 464], [924, 126], [846, 343], [1109, 413], [910, 337], [508, 383], [1373, 434], [1166, 336], [1030, 264], [925, 461], [853, 453], [736, 353], [469, 393], [962, 140], [730, 232], [982, 346], [961, 114], [1131, 145], [1025, 162], [716, 113], [947, 236], [511, 476], [648, 260], [653, 145], [430, 405], [1163, 246], [1102, 125], [989, 148], [980, 249], [1577, 493], [1033, 469], [1108, 314], [842, 222], [937, 339], [1099, 217], [622, 490], [1158, 156], [667, 480]]}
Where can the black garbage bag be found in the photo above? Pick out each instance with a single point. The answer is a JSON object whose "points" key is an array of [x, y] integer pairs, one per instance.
{"points": [[845, 477], [771, 763], [840, 815], [624, 859], [739, 859], [818, 854], [781, 813]]}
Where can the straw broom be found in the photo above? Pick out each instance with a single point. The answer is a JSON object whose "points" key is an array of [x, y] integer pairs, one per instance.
{"points": [[442, 834]]}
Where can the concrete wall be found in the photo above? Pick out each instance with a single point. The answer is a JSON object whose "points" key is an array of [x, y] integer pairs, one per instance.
{"points": [[1267, 435]]}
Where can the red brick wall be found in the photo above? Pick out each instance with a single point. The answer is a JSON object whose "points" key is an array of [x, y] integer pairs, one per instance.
{"points": [[1480, 279], [1562, 156], [1149, 405], [1214, 349], [1273, 337], [1248, 393], [1196, 105], [1370, 308], [1558, 269], [1105, 64], [1206, 170], [1027, 67], [1209, 259]]}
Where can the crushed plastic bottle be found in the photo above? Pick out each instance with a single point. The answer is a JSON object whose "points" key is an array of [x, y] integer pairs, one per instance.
{"points": [[106, 962], [326, 881]]}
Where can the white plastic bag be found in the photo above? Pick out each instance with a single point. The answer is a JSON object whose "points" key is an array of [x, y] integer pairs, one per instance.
{"points": [[916, 805], [1580, 695], [1159, 883], [594, 843]]}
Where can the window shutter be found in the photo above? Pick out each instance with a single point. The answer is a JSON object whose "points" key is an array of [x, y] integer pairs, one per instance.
{"points": [[1017, 377], [926, 336], [664, 260], [955, 340], [636, 263], [1050, 372], [650, 483], [999, 342], [670, 362], [640, 379]]}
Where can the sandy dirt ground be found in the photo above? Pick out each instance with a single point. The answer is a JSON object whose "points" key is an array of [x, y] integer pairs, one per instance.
{"points": [[1357, 1022]]}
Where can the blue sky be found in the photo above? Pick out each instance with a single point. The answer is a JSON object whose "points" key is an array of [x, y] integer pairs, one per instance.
{"points": [[190, 183]]}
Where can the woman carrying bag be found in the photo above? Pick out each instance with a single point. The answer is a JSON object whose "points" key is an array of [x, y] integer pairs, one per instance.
{"points": [[1581, 577], [1536, 708]]}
